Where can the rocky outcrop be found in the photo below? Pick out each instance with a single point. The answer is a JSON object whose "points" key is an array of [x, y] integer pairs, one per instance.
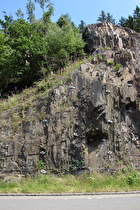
{"points": [[106, 35], [95, 117]]}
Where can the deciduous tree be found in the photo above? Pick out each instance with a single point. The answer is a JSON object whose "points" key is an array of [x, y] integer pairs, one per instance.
{"points": [[30, 11], [19, 14]]}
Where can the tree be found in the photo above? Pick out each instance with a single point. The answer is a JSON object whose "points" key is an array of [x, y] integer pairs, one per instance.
{"points": [[63, 44], [20, 14], [106, 18], [27, 47], [136, 14], [109, 18], [47, 15], [122, 21], [132, 22], [64, 20], [82, 26], [5, 24], [136, 17], [102, 17], [6, 59], [22, 54], [42, 3], [30, 11]]}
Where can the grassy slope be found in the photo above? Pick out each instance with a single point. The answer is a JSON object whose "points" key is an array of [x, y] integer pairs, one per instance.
{"points": [[39, 89], [87, 182]]}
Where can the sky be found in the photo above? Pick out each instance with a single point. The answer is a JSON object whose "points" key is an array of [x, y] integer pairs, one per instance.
{"points": [[86, 10]]}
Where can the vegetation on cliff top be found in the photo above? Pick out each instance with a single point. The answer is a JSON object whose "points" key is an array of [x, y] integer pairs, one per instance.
{"points": [[30, 50]]}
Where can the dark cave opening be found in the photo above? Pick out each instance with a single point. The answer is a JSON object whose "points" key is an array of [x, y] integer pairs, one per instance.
{"points": [[95, 138], [130, 106]]}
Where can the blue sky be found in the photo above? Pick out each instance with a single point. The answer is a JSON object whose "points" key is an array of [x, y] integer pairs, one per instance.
{"points": [[86, 10]]}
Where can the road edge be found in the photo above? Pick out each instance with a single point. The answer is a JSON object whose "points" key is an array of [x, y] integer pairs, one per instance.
{"points": [[69, 194]]}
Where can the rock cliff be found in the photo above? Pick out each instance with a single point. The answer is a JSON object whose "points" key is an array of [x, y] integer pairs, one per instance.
{"points": [[94, 117]]}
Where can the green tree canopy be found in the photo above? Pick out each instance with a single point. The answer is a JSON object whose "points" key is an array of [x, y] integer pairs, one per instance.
{"points": [[132, 22], [82, 26], [106, 18], [30, 11], [23, 53], [63, 44], [42, 3], [28, 47], [102, 17], [19, 14], [64, 20]]}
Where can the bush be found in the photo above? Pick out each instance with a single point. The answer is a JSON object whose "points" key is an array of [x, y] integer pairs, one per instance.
{"points": [[118, 66], [40, 165], [110, 63]]}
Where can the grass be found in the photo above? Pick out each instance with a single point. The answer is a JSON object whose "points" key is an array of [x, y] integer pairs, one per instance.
{"points": [[87, 182], [40, 89]]}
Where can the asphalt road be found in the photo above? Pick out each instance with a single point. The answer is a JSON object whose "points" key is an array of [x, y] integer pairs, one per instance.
{"points": [[88, 202]]}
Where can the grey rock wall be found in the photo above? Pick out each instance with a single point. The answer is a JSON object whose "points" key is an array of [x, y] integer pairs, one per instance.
{"points": [[94, 118]]}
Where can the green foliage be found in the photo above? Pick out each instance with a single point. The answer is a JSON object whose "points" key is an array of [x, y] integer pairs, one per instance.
{"points": [[5, 24], [110, 18], [122, 21], [6, 59], [47, 15], [63, 45], [64, 20], [30, 11], [40, 88], [132, 22], [133, 178], [20, 14], [41, 3], [106, 18], [86, 182], [99, 57], [29, 49], [20, 48], [82, 26], [118, 66], [76, 164], [102, 17], [110, 63], [40, 165], [68, 79]]}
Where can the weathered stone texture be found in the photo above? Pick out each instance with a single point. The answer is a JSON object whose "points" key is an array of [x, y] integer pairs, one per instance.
{"points": [[96, 118]]}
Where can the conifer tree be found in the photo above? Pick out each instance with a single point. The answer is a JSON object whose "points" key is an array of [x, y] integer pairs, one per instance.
{"points": [[102, 17], [110, 18], [106, 18], [132, 22], [82, 26], [136, 17]]}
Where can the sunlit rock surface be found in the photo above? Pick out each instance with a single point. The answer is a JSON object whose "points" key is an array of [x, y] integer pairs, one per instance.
{"points": [[94, 118]]}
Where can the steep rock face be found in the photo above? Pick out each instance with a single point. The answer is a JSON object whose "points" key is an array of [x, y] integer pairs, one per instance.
{"points": [[105, 35], [95, 117]]}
